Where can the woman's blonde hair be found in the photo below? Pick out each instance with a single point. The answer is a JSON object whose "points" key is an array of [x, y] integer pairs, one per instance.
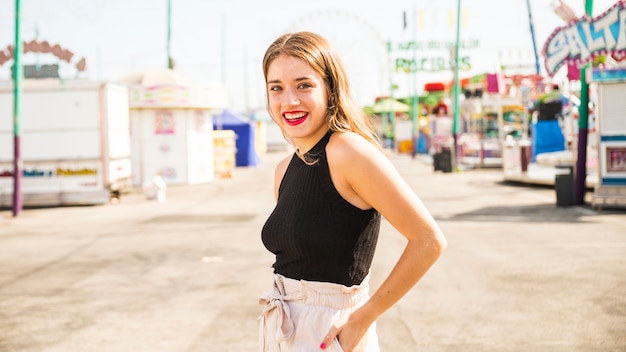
{"points": [[343, 113]]}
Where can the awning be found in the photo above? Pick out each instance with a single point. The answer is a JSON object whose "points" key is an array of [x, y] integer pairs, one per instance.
{"points": [[385, 105]]}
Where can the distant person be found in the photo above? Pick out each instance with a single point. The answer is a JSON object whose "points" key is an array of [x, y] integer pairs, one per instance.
{"points": [[330, 196], [440, 110]]}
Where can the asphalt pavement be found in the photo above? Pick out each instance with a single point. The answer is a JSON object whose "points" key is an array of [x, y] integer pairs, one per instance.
{"points": [[519, 274]]}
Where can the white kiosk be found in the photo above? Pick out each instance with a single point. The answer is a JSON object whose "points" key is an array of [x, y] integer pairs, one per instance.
{"points": [[172, 128], [611, 188]]}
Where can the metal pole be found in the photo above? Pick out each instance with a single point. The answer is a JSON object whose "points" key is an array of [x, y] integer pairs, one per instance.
{"points": [[17, 100], [245, 80], [392, 115], [385, 117], [580, 176], [224, 48], [170, 61], [457, 88], [532, 34], [415, 132]]}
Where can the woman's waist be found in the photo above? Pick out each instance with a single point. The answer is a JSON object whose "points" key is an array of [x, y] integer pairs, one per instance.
{"points": [[340, 272], [319, 293]]}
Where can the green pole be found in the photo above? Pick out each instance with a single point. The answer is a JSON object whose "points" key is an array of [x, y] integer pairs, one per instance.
{"points": [[580, 176], [392, 122], [415, 133], [17, 100], [170, 61], [385, 116], [392, 114], [457, 88]]}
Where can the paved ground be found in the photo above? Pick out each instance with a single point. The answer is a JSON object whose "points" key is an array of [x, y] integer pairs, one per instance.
{"points": [[520, 274]]}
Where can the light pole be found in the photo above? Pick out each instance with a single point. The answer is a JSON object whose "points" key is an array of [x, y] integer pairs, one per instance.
{"points": [[17, 102], [457, 88], [532, 34], [388, 117], [414, 109], [583, 129], [170, 60]]}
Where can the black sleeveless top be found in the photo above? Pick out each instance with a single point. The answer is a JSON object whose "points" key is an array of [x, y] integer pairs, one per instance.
{"points": [[315, 233]]}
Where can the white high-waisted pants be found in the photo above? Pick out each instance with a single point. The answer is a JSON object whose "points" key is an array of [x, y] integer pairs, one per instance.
{"points": [[297, 314]]}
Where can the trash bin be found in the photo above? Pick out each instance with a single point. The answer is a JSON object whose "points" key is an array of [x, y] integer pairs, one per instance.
{"points": [[437, 161], [446, 159], [524, 157], [442, 161], [564, 185]]}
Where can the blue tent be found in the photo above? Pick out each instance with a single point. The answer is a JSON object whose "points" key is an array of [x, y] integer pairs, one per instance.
{"points": [[244, 136]]}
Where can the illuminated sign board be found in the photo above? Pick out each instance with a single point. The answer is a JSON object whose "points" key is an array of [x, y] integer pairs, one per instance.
{"points": [[580, 41]]}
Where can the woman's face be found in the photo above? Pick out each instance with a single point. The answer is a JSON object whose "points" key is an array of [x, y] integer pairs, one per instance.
{"points": [[297, 100]]}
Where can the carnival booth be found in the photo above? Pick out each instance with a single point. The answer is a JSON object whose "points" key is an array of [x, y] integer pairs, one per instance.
{"points": [[171, 127], [576, 45], [74, 144], [489, 116], [611, 187]]}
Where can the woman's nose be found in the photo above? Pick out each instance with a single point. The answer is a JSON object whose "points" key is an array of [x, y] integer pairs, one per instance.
{"points": [[290, 98]]}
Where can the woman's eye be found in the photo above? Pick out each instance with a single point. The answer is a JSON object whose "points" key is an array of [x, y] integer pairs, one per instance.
{"points": [[304, 85], [275, 88]]}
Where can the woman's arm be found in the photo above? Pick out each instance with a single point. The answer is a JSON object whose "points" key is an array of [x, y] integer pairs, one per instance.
{"points": [[366, 178]]}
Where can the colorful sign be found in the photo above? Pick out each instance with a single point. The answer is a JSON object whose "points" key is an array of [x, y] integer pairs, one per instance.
{"points": [[51, 172], [163, 122], [616, 159], [431, 63], [608, 75], [173, 96], [582, 40], [44, 47]]}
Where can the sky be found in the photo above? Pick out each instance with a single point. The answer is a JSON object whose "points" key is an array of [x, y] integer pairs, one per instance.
{"points": [[223, 42]]}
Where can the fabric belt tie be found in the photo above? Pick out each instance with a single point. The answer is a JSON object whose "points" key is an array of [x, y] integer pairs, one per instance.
{"points": [[276, 301]]}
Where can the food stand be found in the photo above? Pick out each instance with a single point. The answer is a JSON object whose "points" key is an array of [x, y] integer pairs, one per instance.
{"points": [[171, 127], [490, 114], [577, 44], [499, 117]]}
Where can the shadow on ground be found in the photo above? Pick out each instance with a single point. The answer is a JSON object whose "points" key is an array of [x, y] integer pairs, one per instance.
{"points": [[548, 213]]}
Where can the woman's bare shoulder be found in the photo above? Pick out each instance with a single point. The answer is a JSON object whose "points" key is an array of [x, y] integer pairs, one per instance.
{"points": [[350, 148], [355, 164]]}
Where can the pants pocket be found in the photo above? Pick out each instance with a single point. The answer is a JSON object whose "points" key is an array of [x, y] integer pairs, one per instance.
{"points": [[337, 345]]}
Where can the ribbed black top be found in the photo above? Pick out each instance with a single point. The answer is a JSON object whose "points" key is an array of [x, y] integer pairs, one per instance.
{"points": [[315, 234]]}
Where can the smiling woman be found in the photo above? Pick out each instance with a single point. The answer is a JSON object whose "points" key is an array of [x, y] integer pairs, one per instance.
{"points": [[331, 195]]}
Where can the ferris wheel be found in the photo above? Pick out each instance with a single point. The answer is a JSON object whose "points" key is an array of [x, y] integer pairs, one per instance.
{"points": [[361, 48]]}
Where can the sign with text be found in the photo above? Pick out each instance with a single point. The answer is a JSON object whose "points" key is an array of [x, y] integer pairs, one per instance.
{"points": [[39, 71], [581, 41], [44, 47], [431, 63]]}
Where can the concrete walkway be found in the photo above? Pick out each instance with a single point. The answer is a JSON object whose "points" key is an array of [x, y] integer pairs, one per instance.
{"points": [[520, 274]]}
